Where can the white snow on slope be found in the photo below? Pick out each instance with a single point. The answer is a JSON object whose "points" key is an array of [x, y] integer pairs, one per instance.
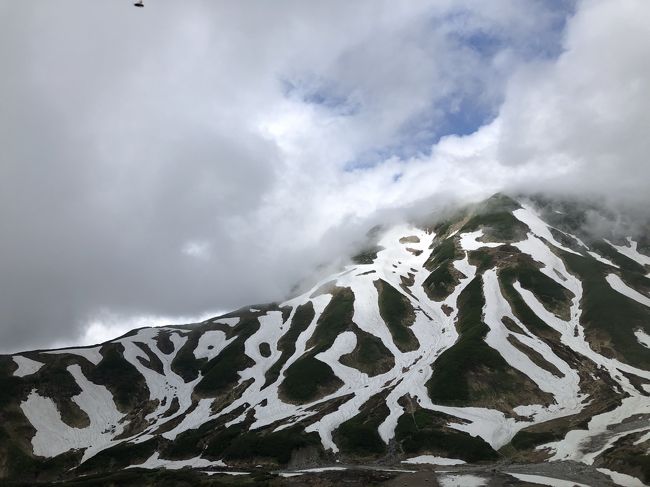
{"points": [[622, 479], [166, 387], [553, 266], [539, 228], [543, 480], [433, 460], [461, 480], [211, 343], [226, 321], [367, 317], [618, 285], [574, 445], [643, 337], [90, 354], [434, 330], [566, 390], [469, 241], [26, 366], [602, 259], [225, 472], [643, 439], [154, 461], [272, 327], [321, 469], [631, 252], [54, 437]]}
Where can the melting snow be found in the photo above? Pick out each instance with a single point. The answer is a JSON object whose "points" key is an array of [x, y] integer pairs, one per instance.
{"points": [[461, 480], [225, 472], [618, 285], [433, 460], [26, 366], [631, 252], [602, 259], [644, 338], [542, 480], [226, 321], [54, 437], [622, 479], [90, 354], [538, 226], [211, 343], [321, 469], [469, 241], [154, 461]]}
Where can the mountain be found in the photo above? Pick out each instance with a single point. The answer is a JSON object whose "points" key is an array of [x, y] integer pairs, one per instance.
{"points": [[504, 333]]}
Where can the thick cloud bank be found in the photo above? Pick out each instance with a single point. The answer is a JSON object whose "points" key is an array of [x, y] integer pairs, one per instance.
{"points": [[197, 156]]}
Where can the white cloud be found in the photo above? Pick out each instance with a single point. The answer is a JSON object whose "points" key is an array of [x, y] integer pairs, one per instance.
{"points": [[106, 326], [584, 117], [193, 155]]}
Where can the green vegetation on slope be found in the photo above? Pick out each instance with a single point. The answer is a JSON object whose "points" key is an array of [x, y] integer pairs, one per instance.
{"points": [[222, 372], [494, 216], [625, 263], [359, 435], [423, 431], [511, 274], [444, 277], [554, 297], [237, 443], [287, 344], [370, 355], [397, 311], [367, 256], [307, 377], [185, 363], [120, 377], [609, 318], [471, 372]]}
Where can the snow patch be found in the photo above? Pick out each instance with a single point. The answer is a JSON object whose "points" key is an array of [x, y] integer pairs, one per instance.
{"points": [[90, 354], [321, 469], [527, 216], [602, 259], [618, 285], [461, 480], [631, 252], [622, 479], [227, 321], [154, 461], [26, 366], [643, 337], [469, 241], [211, 343], [433, 460], [54, 437], [225, 472], [541, 480]]}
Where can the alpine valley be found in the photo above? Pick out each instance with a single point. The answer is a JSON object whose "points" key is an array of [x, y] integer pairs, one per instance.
{"points": [[502, 341]]}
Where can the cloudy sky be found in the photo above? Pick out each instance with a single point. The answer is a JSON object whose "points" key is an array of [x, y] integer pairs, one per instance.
{"points": [[165, 163]]}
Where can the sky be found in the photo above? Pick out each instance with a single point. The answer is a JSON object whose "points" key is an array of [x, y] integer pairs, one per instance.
{"points": [[165, 164]]}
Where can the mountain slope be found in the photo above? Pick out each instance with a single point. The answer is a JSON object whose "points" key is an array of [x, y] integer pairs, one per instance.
{"points": [[490, 335]]}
